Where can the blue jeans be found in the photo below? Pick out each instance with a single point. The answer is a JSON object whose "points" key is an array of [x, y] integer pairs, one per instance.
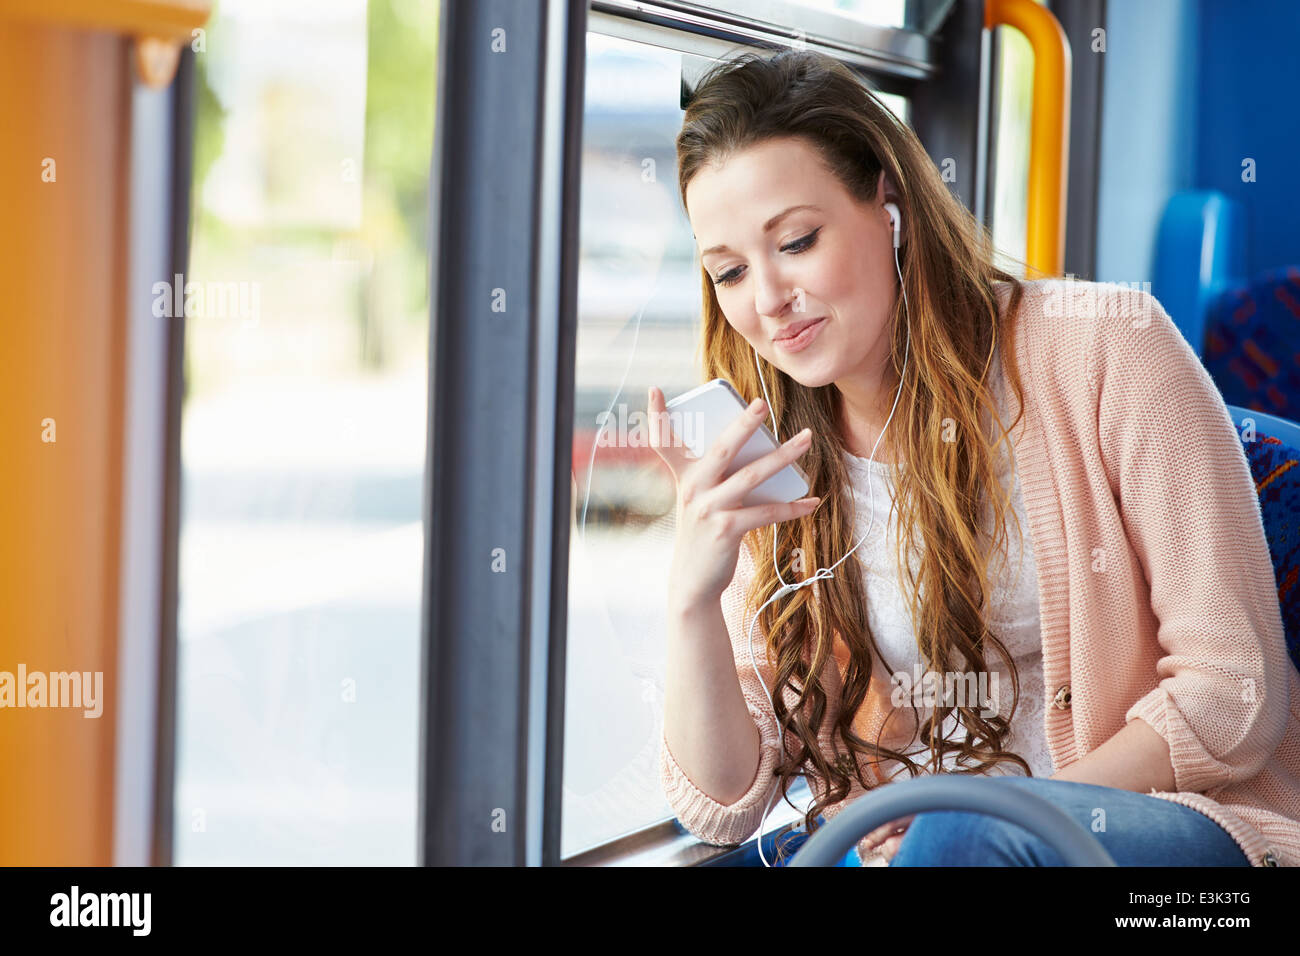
{"points": [[1140, 830]]}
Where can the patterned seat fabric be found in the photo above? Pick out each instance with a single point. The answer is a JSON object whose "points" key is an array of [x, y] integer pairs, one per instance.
{"points": [[1252, 344], [1273, 465]]}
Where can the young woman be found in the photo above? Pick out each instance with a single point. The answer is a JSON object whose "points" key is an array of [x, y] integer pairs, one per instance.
{"points": [[1125, 637]]}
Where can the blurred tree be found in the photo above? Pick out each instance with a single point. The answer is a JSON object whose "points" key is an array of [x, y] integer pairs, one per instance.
{"points": [[402, 51], [209, 139], [209, 123], [402, 72]]}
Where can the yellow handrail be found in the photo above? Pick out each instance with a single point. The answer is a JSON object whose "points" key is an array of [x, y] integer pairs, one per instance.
{"points": [[1049, 134]]}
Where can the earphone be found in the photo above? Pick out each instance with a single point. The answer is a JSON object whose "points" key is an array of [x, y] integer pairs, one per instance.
{"points": [[896, 219]]}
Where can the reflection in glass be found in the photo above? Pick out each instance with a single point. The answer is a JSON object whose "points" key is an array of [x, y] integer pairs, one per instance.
{"points": [[879, 13], [639, 324]]}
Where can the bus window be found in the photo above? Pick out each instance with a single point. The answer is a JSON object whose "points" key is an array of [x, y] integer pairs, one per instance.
{"points": [[638, 324], [303, 435], [879, 13], [636, 257]]}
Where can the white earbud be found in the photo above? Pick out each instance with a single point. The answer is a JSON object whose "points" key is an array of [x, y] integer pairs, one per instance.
{"points": [[897, 219]]}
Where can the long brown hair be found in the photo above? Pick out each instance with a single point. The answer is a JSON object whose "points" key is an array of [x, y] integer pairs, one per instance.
{"points": [[956, 328]]}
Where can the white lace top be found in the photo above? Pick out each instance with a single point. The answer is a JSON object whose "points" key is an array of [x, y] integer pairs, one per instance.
{"points": [[1014, 616]]}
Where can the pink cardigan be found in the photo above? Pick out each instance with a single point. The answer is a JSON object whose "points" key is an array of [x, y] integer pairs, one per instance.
{"points": [[1156, 591]]}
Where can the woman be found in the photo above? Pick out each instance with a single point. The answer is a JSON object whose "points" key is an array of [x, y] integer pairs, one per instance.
{"points": [[1132, 612]]}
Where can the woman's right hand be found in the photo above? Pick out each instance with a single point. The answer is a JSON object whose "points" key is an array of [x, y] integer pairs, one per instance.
{"points": [[711, 517], [888, 837]]}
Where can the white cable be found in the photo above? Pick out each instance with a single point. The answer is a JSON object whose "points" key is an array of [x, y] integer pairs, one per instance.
{"points": [[610, 411], [822, 573]]}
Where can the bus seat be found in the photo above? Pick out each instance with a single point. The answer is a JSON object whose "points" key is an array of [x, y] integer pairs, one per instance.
{"points": [[1273, 452], [1252, 345], [1200, 250]]}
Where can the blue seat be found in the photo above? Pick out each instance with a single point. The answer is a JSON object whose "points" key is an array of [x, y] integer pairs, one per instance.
{"points": [[1252, 343], [1272, 447], [1200, 251], [1245, 331]]}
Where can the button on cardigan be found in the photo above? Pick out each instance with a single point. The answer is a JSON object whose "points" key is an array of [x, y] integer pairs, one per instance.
{"points": [[1156, 591]]}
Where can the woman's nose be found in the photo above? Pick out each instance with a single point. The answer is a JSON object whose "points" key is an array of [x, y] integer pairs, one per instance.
{"points": [[773, 292]]}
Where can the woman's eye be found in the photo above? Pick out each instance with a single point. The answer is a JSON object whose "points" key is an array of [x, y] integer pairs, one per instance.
{"points": [[802, 244]]}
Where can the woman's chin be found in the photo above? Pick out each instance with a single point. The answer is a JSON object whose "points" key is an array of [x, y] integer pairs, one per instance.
{"points": [[814, 376]]}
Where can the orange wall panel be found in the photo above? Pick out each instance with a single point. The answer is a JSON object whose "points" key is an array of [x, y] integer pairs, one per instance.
{"points": [[65, 96]]}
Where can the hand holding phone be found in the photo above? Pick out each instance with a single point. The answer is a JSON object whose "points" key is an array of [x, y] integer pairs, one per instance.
{"points": [[700, 418], [717, 488]]}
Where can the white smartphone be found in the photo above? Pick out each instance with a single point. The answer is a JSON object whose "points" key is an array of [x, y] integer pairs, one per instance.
{"points": [[699, 416]]}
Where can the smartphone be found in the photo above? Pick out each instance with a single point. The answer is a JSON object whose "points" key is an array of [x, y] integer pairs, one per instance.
{"points": [[699, 416]]}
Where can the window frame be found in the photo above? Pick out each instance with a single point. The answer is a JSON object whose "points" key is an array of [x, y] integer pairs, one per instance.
{"points": [[504, 204], [182, 166]]}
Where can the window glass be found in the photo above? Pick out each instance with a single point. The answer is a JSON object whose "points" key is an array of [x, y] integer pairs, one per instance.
{"points": [[880, 13], [922, 16], [303, 434], [638, 324]]}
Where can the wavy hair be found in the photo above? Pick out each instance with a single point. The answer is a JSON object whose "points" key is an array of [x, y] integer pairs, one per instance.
{"points": [[947, 267]]}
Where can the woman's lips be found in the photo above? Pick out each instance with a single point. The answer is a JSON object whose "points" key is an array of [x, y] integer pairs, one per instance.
{"points": [[797, 343]]}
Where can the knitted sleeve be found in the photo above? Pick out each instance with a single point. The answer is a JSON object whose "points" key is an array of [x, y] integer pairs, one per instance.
{"points": [[1190, 511], [706, 818]]}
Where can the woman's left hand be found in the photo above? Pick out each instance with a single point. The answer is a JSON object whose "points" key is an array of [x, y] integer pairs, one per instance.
{"points": [[888, 837]]}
